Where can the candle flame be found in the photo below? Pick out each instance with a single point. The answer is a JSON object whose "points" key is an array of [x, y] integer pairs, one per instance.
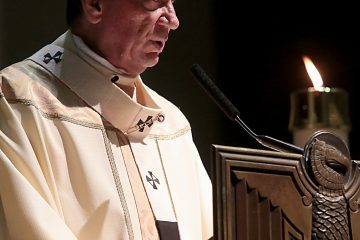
{"points": [[313, 73]]}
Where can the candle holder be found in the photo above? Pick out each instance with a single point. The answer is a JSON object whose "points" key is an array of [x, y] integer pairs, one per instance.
{"points": [[323, 109]]}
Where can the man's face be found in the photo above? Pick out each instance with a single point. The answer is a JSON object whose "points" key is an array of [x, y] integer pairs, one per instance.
{"points": [[132, 33]]}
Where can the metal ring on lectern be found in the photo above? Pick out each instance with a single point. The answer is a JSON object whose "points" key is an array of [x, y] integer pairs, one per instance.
{"points": [[329, 139]]}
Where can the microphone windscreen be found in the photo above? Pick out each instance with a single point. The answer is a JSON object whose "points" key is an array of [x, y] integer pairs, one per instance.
{"points": [[214, 92]]}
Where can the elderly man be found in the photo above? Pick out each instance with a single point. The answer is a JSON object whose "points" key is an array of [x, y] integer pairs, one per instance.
{"points": [[87, 150]]}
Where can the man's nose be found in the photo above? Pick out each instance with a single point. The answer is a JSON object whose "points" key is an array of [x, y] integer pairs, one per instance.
{"points": [[169, 18]]}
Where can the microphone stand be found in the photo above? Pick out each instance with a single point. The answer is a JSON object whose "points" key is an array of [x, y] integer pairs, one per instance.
{"points": [[270, 142], [230, 110]]}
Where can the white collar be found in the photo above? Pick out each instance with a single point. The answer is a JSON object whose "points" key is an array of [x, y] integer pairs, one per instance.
{"points": [[103, 96]]}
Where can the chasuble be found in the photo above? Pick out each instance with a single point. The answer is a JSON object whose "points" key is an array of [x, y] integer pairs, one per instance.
{"points": [[86, 153]]}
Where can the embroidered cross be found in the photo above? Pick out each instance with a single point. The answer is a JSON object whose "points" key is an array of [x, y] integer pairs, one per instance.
{"points": [[149, 122], [56, 57], [152, 180]]}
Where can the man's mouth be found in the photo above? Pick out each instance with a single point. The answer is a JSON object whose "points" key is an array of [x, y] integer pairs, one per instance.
{"points": [[159, 45]]}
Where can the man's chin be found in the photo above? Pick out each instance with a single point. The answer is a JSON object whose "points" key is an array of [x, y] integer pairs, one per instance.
{"points": [[152, 59]]}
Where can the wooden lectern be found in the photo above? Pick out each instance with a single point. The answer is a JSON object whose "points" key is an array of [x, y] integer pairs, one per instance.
{"points": [[263, 194]]}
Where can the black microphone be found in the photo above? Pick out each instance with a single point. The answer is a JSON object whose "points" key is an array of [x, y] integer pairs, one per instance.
{"points": [[233, 114], [214, 92]]}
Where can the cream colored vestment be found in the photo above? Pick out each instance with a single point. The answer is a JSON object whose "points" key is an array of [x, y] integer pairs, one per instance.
{"points": [[65, 149]]}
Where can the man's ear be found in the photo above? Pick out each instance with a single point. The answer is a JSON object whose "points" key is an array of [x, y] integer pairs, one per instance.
{"points": [[92, 10]]}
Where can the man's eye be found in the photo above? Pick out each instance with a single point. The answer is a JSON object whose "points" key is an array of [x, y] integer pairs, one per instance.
{"points": [[155, 4], [152, 5], [163, 1]]}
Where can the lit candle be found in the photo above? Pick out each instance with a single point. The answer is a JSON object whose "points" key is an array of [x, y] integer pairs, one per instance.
{"points": [[318, 108]]}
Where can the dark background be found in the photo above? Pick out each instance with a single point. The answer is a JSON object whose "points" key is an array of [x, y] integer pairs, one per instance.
{"points": [[252, 52], [262, 63]]}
